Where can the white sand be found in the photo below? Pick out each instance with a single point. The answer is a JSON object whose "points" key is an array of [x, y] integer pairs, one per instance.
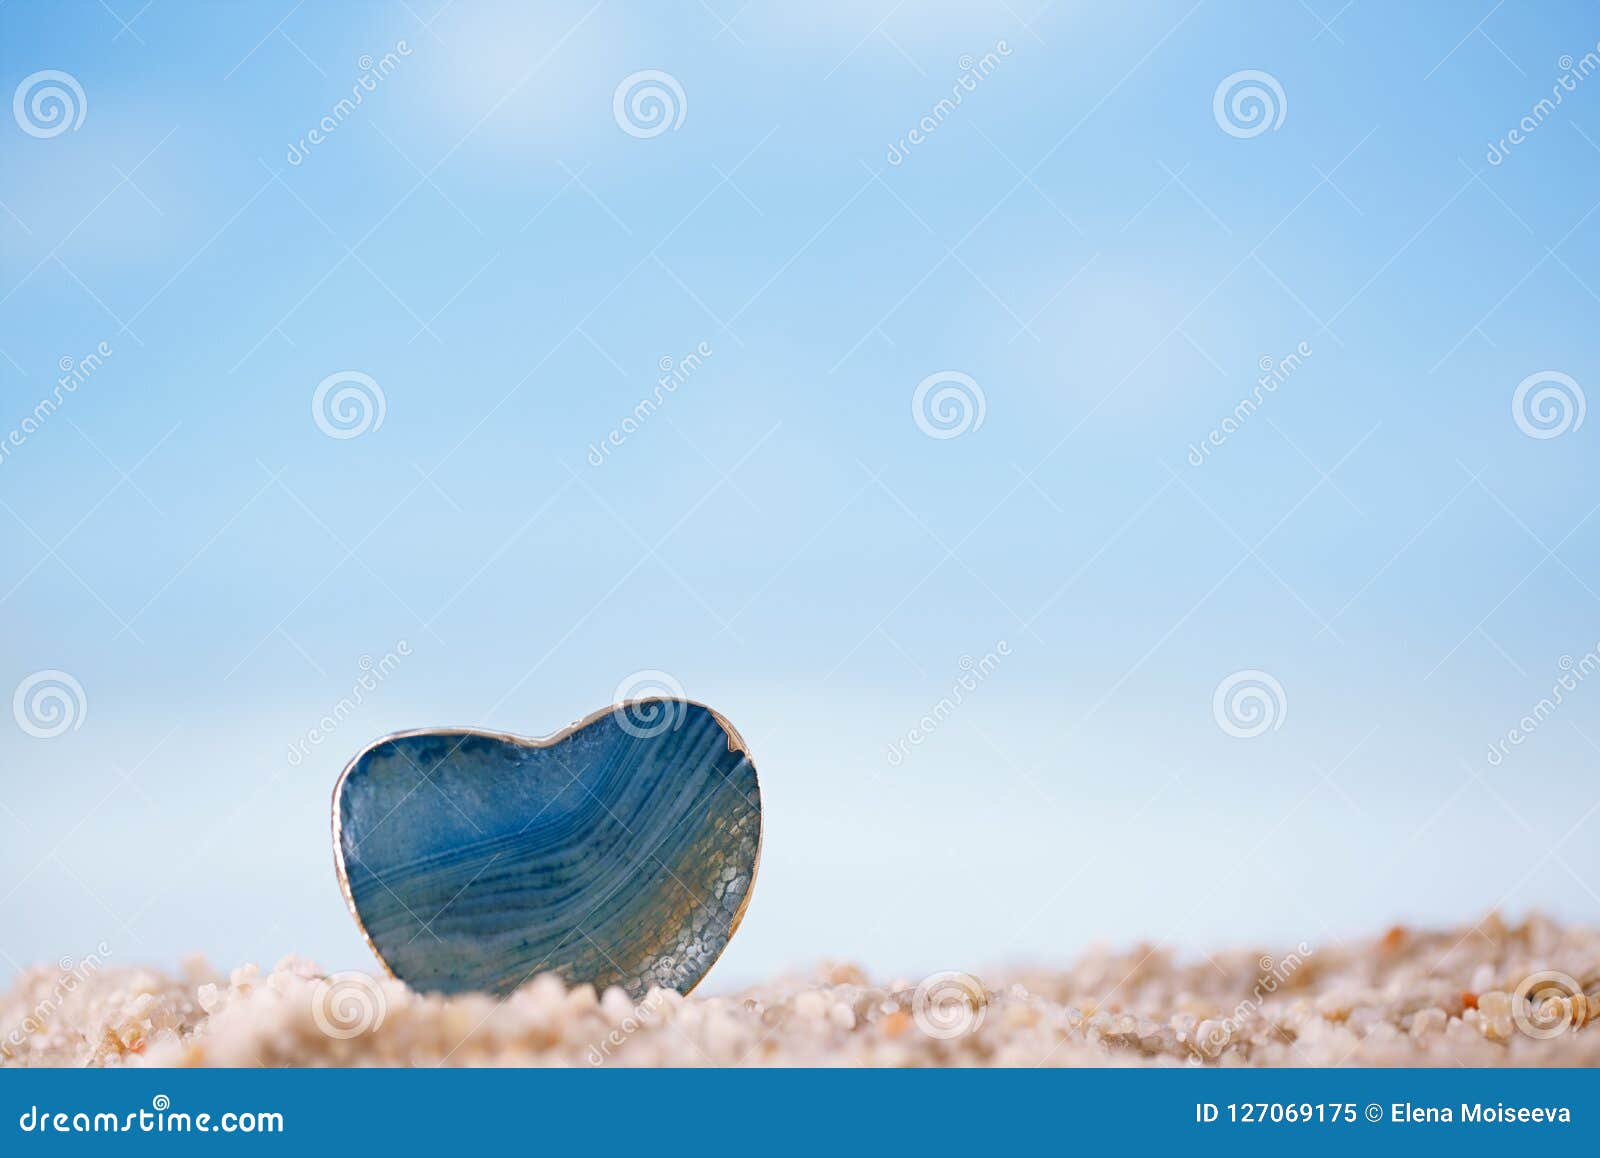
{"points": [[1407, 998]]}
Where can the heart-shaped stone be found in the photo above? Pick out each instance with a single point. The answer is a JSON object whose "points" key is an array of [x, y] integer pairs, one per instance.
{"points": [[619, 851]]}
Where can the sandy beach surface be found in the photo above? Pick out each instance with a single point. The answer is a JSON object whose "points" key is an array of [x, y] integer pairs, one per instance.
{"points": [[1492, 993]]}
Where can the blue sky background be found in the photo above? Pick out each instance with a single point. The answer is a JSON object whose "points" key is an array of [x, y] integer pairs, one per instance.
{"points": [[1080, 237]]}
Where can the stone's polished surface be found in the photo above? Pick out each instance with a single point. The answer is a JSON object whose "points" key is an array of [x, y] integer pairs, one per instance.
{"points": [[618, 852]]}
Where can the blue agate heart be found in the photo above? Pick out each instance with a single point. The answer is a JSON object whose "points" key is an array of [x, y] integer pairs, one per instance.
{"points": [[620, 851]]}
